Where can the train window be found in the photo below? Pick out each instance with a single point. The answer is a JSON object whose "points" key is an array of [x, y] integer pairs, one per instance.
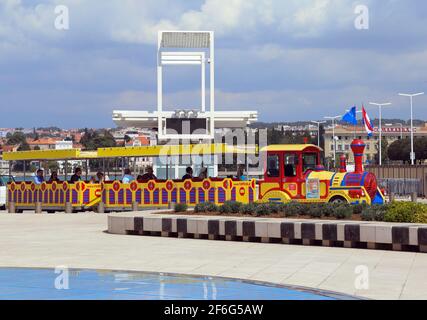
{"points": [[291, 160], [273, 166], [309, 161]]}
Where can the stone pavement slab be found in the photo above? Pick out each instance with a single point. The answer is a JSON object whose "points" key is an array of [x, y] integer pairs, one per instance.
{"points": [[80, 241]]}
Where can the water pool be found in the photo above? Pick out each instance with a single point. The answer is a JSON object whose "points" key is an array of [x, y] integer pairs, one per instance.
{"points": [[43, 284]]}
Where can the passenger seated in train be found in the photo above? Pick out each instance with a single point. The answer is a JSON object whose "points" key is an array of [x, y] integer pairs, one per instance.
{"points": [[54, 177], [203, 173], [127, 177], [189, 174], [100, 177], [241, 173], [39, 179], [77, 176], [148, 175]]}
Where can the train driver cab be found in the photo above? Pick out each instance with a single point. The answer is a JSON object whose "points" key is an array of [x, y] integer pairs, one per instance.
{"points": [[287, 167]]}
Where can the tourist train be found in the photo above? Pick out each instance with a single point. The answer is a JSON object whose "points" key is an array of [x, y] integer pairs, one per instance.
{"points": [[291, 173]]}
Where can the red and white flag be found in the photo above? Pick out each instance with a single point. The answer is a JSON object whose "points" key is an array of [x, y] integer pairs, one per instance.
{"points": [[367, 122]]}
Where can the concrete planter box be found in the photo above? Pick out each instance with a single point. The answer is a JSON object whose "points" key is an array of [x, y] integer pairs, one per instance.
{"points": [[371, 235]]}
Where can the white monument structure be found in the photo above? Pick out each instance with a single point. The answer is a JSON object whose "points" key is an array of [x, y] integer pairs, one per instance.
{"points": [[197, 123]]}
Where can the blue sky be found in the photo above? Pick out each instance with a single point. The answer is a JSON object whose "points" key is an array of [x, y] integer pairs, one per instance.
{"points": [[288, 59]]}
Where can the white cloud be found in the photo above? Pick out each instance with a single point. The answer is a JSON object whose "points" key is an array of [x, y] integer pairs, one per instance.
{"points": [[284, 58]]}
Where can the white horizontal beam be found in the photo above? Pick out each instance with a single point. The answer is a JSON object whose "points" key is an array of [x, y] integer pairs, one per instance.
{"points": [[182, 58], [177, 62]]}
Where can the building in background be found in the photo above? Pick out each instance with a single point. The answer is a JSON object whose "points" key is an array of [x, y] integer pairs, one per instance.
{"points": [[344, 135], [43, 143]]}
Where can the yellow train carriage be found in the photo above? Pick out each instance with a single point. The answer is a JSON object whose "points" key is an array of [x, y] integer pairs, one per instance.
{"points": [[162, 193], [53, 196], [115, 195]]}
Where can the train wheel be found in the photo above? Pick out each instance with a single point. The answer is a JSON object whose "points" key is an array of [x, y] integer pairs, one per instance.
{"points": [[338, 200]]}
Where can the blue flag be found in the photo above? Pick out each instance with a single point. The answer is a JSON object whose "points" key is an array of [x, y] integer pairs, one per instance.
{"points": [[350, 116]]}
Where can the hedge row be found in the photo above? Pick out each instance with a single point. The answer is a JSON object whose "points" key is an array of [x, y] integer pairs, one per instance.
{"points": [[409, 212], [291, 209], [394, 212]]}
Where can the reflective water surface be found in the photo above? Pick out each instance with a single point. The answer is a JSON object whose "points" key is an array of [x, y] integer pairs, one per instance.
{"points": [[42, 284]]}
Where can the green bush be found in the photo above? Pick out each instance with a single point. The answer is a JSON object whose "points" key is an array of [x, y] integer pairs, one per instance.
{"points": [[293, 209], [420, 215], [249, 208], [314, 210], [406, 212], [343, 212], [358, 208], [262, 209], [373, 213], [230, 207], [206, 207], [274, 207], [180, 207], [328, 209]]}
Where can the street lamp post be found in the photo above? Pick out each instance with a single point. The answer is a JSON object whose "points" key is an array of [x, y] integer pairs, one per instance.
{"points": [[412, 156], [380, 105], [318, 130], [333, 135]]}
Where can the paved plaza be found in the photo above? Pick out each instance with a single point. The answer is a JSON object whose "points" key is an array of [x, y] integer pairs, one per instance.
{"points": [[80, 241]]}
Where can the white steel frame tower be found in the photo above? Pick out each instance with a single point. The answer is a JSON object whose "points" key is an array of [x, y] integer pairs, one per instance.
{"points": [[187, 46]]}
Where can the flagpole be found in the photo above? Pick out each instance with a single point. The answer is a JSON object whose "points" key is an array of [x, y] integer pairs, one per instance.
{"points": [[380, 105], [355, 125]]}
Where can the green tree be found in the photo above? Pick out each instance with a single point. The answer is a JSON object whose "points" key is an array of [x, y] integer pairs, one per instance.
{"points": [[400, 150], [52, 166], [384, 152], [93, 139], [15, 138]]}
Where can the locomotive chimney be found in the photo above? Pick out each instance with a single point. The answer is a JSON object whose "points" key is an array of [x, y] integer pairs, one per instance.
{"points": [[343, 164], [358, 147]]}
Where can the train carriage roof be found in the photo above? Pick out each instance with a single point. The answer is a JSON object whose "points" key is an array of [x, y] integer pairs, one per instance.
{"points": [[290, 147], [117, 152]]}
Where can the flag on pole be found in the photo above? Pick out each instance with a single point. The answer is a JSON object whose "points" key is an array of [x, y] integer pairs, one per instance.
{"points": [[350, 116], [367, 122]]}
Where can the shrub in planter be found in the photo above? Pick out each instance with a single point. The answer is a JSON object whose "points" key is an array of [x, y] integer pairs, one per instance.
{"points": [[211, 207], [262, 209], [314, 210], [421, 214], [343, 212], [293, 208], [181, 207], [327, 209], [274, 207], [206, 207], [400, 212], [358, 208], [406, 212], [249, 208], [373, 213], [230, 207]]}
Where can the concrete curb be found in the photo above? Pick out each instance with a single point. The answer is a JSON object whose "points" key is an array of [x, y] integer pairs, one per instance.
{"points": [[351, 234]]}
